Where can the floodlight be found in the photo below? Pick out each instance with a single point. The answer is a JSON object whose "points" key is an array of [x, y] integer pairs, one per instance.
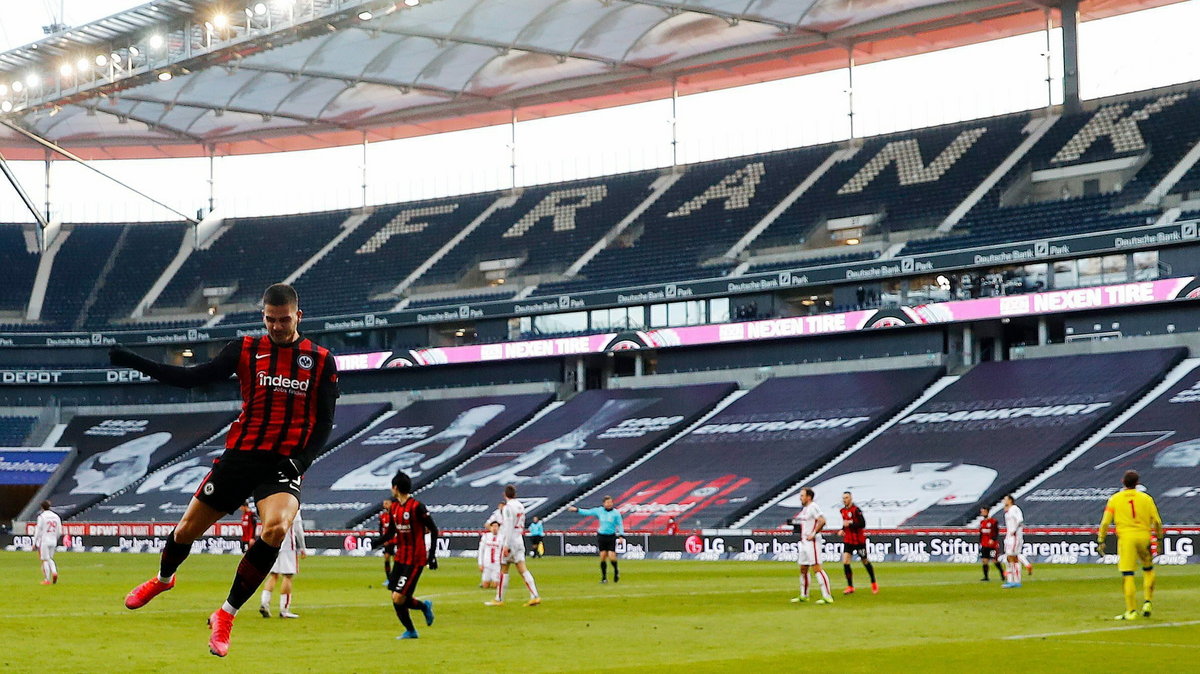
{"points": [[65, 70], [101, 60], [156, 41], [17, 86], [412, 3], [82, 64], [164, 76], [260, 8], [365, 15], [134, 51], [6, 106], [220, 20], [32, 79]]}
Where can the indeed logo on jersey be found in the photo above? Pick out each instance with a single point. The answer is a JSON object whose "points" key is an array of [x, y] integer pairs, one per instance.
{"points": [[282, 382]]}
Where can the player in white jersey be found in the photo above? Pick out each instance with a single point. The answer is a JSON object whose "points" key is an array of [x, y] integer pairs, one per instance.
{"points": [[489, 555], [45, 541], [811, 522], [287, 564], [1014, 539], [512, 548]]}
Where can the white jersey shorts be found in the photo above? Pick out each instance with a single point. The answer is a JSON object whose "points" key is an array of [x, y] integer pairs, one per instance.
{"points": [[491, 573], [516, 554], [1013, 544], [286, 563], [46, 550], [810, 551]]}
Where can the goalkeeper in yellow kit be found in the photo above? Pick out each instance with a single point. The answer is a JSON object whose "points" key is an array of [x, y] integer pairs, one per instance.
{"points": [[1136, 518]]}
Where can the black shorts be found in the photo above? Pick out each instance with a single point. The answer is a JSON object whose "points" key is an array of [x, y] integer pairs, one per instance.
{"points": [[404, 577], [988, 553], [238, 475], [606, 542], [859, 549], [389, 549]]}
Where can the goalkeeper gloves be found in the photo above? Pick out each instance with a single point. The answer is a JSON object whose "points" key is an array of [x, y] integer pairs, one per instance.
{"points": [[1100, 545]]}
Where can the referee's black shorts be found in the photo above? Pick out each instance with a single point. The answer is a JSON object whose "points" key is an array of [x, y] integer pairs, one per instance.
{"points": [[237, 475], [606, 542]]}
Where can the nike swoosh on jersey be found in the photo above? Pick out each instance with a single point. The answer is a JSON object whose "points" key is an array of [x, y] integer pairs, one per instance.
{"points": [[260, 356]]}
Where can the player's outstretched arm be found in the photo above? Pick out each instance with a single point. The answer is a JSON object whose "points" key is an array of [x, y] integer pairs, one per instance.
{"points": [[218, 369], [431, 526]]}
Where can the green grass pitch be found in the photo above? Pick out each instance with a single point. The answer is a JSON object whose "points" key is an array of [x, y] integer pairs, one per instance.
{"points": [[663, 616]]}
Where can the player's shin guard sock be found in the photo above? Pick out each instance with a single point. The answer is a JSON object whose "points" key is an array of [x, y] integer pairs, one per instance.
{"points": [[803, 584], [1130, 588], [265, 600], [46, 571], [999, 569], [532, 586], [501, 587], [616, 571], [285, 603], [849, 575], [173, 555], [255, 566], [405, 619], [823, 579], [985, 571], [603, 570], [1147, 582], [870, 570]]}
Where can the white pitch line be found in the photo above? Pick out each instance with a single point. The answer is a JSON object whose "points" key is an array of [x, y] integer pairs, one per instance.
{"points": [[1141, 644], [1147, 626]]}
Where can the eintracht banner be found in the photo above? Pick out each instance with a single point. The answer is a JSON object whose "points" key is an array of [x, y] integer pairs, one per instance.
{"points": [[113, 452], [782, 429], [979, 438], [164, 494], [425, 439], [1161, 442]]}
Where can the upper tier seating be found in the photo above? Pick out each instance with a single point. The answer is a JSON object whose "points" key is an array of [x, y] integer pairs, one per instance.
{"points": [[252, 254], [382, 251]]}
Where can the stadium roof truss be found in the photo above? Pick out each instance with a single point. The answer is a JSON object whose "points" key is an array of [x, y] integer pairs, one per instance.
{"points": [[190, 77]]}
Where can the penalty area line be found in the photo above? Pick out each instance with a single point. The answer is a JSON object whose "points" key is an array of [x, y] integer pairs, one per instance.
{"points": [[1114, 628]]}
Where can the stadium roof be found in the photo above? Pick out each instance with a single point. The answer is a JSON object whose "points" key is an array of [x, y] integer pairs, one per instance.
{"points": [[186, 77]]}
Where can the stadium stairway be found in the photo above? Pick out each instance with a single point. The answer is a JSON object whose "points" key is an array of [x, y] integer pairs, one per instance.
{"points": [[1178, 372], [101, 280], [503, 202], [348, 226], [41, 280], [186, 245], [1173, 177], [1035, 130], [779, 209], [725, 402], [373, 518], [657, 189], [934, 388]]}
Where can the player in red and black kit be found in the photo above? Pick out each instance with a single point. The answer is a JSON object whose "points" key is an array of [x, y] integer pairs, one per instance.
{"points": [[989, 543], [389, 545], [249, 524], [854, 541], [410, 521], [289, 389]]}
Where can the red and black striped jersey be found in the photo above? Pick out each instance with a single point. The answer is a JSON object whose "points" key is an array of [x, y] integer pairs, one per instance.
{"points": [[385, 520], [989, 533], [854, 526], [249, 524], [280, 385], [411, 521]]}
